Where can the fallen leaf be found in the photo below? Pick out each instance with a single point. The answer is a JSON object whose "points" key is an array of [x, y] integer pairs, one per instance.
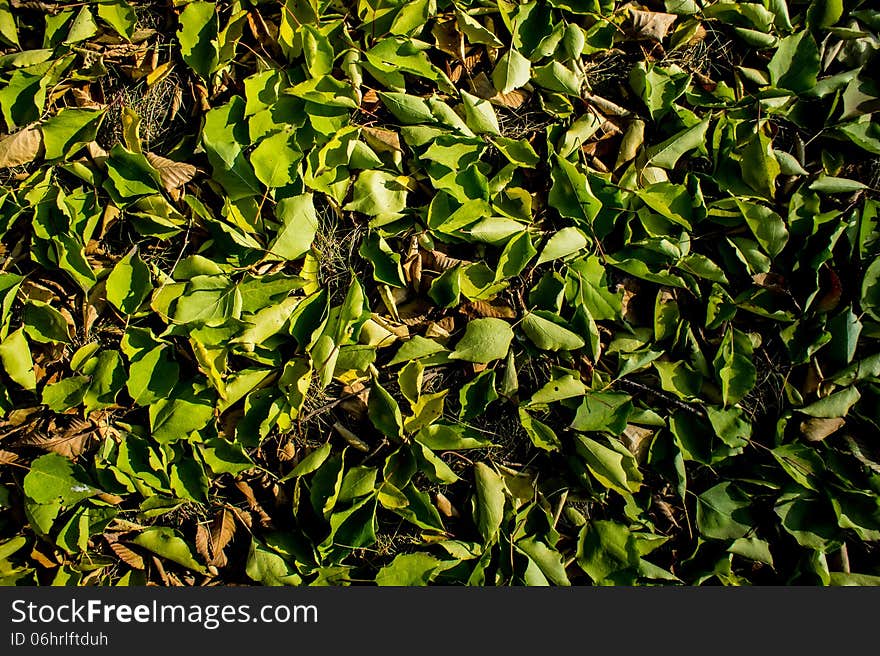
{"points": [[817, 429], [173, 174], [651, 24], [22, 147]]}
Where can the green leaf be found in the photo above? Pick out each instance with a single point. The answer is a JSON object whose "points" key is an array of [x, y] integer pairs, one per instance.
{"points": [[407, 109], [15, 354], [168, 544], [722, 512], [759, 165], [548, 560], [613, 468], [275, 159], [224, 137], [53, 478], [45, 324], [416, 569], [767, 226], [555, 76], [795, 64], [545, 331], [267, 567], [67, 393], [511, 71], [490, 501], [384, 412], [831, 185], [129, 283], [837, 404], [484, 340], [563, 243], [379, 194], [476, 395], [311, 462], [173, 418], [607, 552], [198, 34], [479, 115], [107, 379], [666, 154], [541, 435], [23, 97], [119, 15], [68, 130], [8, 31], [603, 411], [475, 31], [571, 194], [870, 300], [299, 225]]}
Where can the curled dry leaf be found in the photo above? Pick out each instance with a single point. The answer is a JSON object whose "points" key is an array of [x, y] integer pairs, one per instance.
{"points": [[637, 440], [351, 438], [606, 106], [445, 506]]}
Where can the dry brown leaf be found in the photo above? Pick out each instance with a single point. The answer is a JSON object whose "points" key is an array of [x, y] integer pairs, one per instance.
{"points": [[415, 312], [630, 288], [448, 39], [82, 98], [832, 289], [772, 281], [287, 451], [817, 429], [22, 147], [438, 261], [483, 87], [412, 271], [442, 328], [243, 517], [454, 74], [512, 99], [70, 442], [203, 542], [223, 529], [43, 559], [8, 457], [173, 174], [381, 139], [351, 438], [472, 60], [113, 499], [370, 98], [652, 25], [637, 440], [253, 504], [481, 309], [606, 106], [445, 506], [667, 511]]}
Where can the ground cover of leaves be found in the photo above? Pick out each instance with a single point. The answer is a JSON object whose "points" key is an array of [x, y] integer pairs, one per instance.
{"points": [[480, 292]]}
